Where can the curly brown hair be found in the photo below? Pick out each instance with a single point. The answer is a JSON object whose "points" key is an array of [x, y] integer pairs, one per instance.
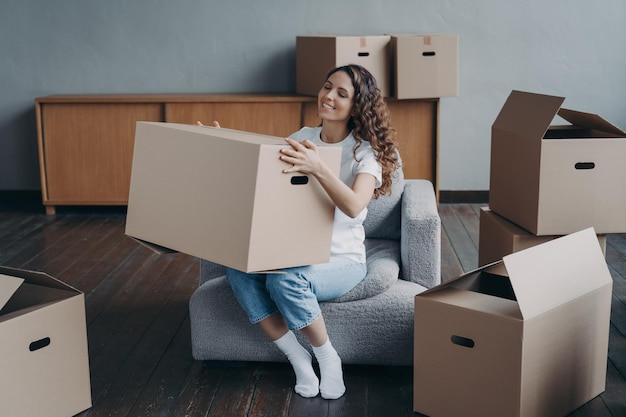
{"points": [[371, 122]]}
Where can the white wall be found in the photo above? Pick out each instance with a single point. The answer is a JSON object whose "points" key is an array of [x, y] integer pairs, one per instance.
{"points": [[572, 48]]}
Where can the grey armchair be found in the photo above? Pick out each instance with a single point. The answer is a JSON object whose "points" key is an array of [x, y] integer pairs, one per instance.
{"points": [[371, 324]]}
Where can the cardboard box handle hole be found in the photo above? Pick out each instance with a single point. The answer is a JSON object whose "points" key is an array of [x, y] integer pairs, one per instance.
{"points": [[299, 180], [584, 165], [39, 344], [462, 341], [428, 53], [364, 54]]}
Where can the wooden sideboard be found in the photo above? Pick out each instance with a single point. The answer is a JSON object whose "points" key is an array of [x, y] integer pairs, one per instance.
{"points": [[86, 141]]}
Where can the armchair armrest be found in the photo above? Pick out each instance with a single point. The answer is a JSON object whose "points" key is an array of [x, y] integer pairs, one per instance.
{"points": [[420, 241], [210, 270]]}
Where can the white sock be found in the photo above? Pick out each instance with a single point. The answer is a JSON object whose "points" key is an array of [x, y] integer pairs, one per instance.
{"points": [[307, 383], [332, 386]]}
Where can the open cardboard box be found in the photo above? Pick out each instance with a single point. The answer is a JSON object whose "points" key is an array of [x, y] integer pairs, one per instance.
{"points": [[555, 180], [220, 195], [499, 237], [316, 55], [43, 346], [525, 336]]}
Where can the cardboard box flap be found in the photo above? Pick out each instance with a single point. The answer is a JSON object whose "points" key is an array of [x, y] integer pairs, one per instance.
{"points": [[528, 114], [553, 273], [36, 278], [242, 136], [495, 268], [590, 121], [30, 297], [8, 286]]}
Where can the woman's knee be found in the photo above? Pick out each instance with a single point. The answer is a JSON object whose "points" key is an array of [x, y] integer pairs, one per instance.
{"points": [[234, 277], [286, 282], [244, 282]]}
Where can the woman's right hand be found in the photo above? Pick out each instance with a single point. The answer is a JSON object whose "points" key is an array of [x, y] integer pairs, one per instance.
{"points": [[215, 123]]}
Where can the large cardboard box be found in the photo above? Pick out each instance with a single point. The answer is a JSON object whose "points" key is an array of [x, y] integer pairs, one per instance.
{"points": [[316, 55], [555, 180], [425, 66], [43, 346], [499, 237], [221, 195], [526, 336]]}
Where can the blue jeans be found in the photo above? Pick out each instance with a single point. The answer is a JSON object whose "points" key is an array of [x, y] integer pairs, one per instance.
{"points": [[296, 292]]}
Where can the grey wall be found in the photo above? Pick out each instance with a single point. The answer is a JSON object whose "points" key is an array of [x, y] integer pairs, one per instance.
{"points": [[572, 48]]}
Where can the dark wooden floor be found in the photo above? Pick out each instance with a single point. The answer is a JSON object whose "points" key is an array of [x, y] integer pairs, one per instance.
{"points": [[138, 324]]}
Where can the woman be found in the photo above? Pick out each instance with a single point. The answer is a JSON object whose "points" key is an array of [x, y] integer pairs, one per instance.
{"points": [[355, 118]]}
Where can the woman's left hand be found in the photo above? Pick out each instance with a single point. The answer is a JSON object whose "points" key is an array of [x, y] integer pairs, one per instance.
{"points": [[303, 157]]}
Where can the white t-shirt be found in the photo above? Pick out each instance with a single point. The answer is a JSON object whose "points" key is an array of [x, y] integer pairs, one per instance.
{"points": [[348, 234]]}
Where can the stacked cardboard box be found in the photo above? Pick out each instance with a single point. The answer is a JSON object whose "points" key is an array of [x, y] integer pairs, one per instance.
{"points": [[405, 66], [555, 180], [526, 334], [499, 237], [550, 180], [425, 66], [316, 55]]}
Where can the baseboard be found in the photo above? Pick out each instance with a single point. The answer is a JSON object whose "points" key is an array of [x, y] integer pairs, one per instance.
{"points": [[467, 197], [33, 197], [20, 195], [24, 200]]}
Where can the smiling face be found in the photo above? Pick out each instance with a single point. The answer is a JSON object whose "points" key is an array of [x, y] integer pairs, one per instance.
{"points": [[335, 99]]}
